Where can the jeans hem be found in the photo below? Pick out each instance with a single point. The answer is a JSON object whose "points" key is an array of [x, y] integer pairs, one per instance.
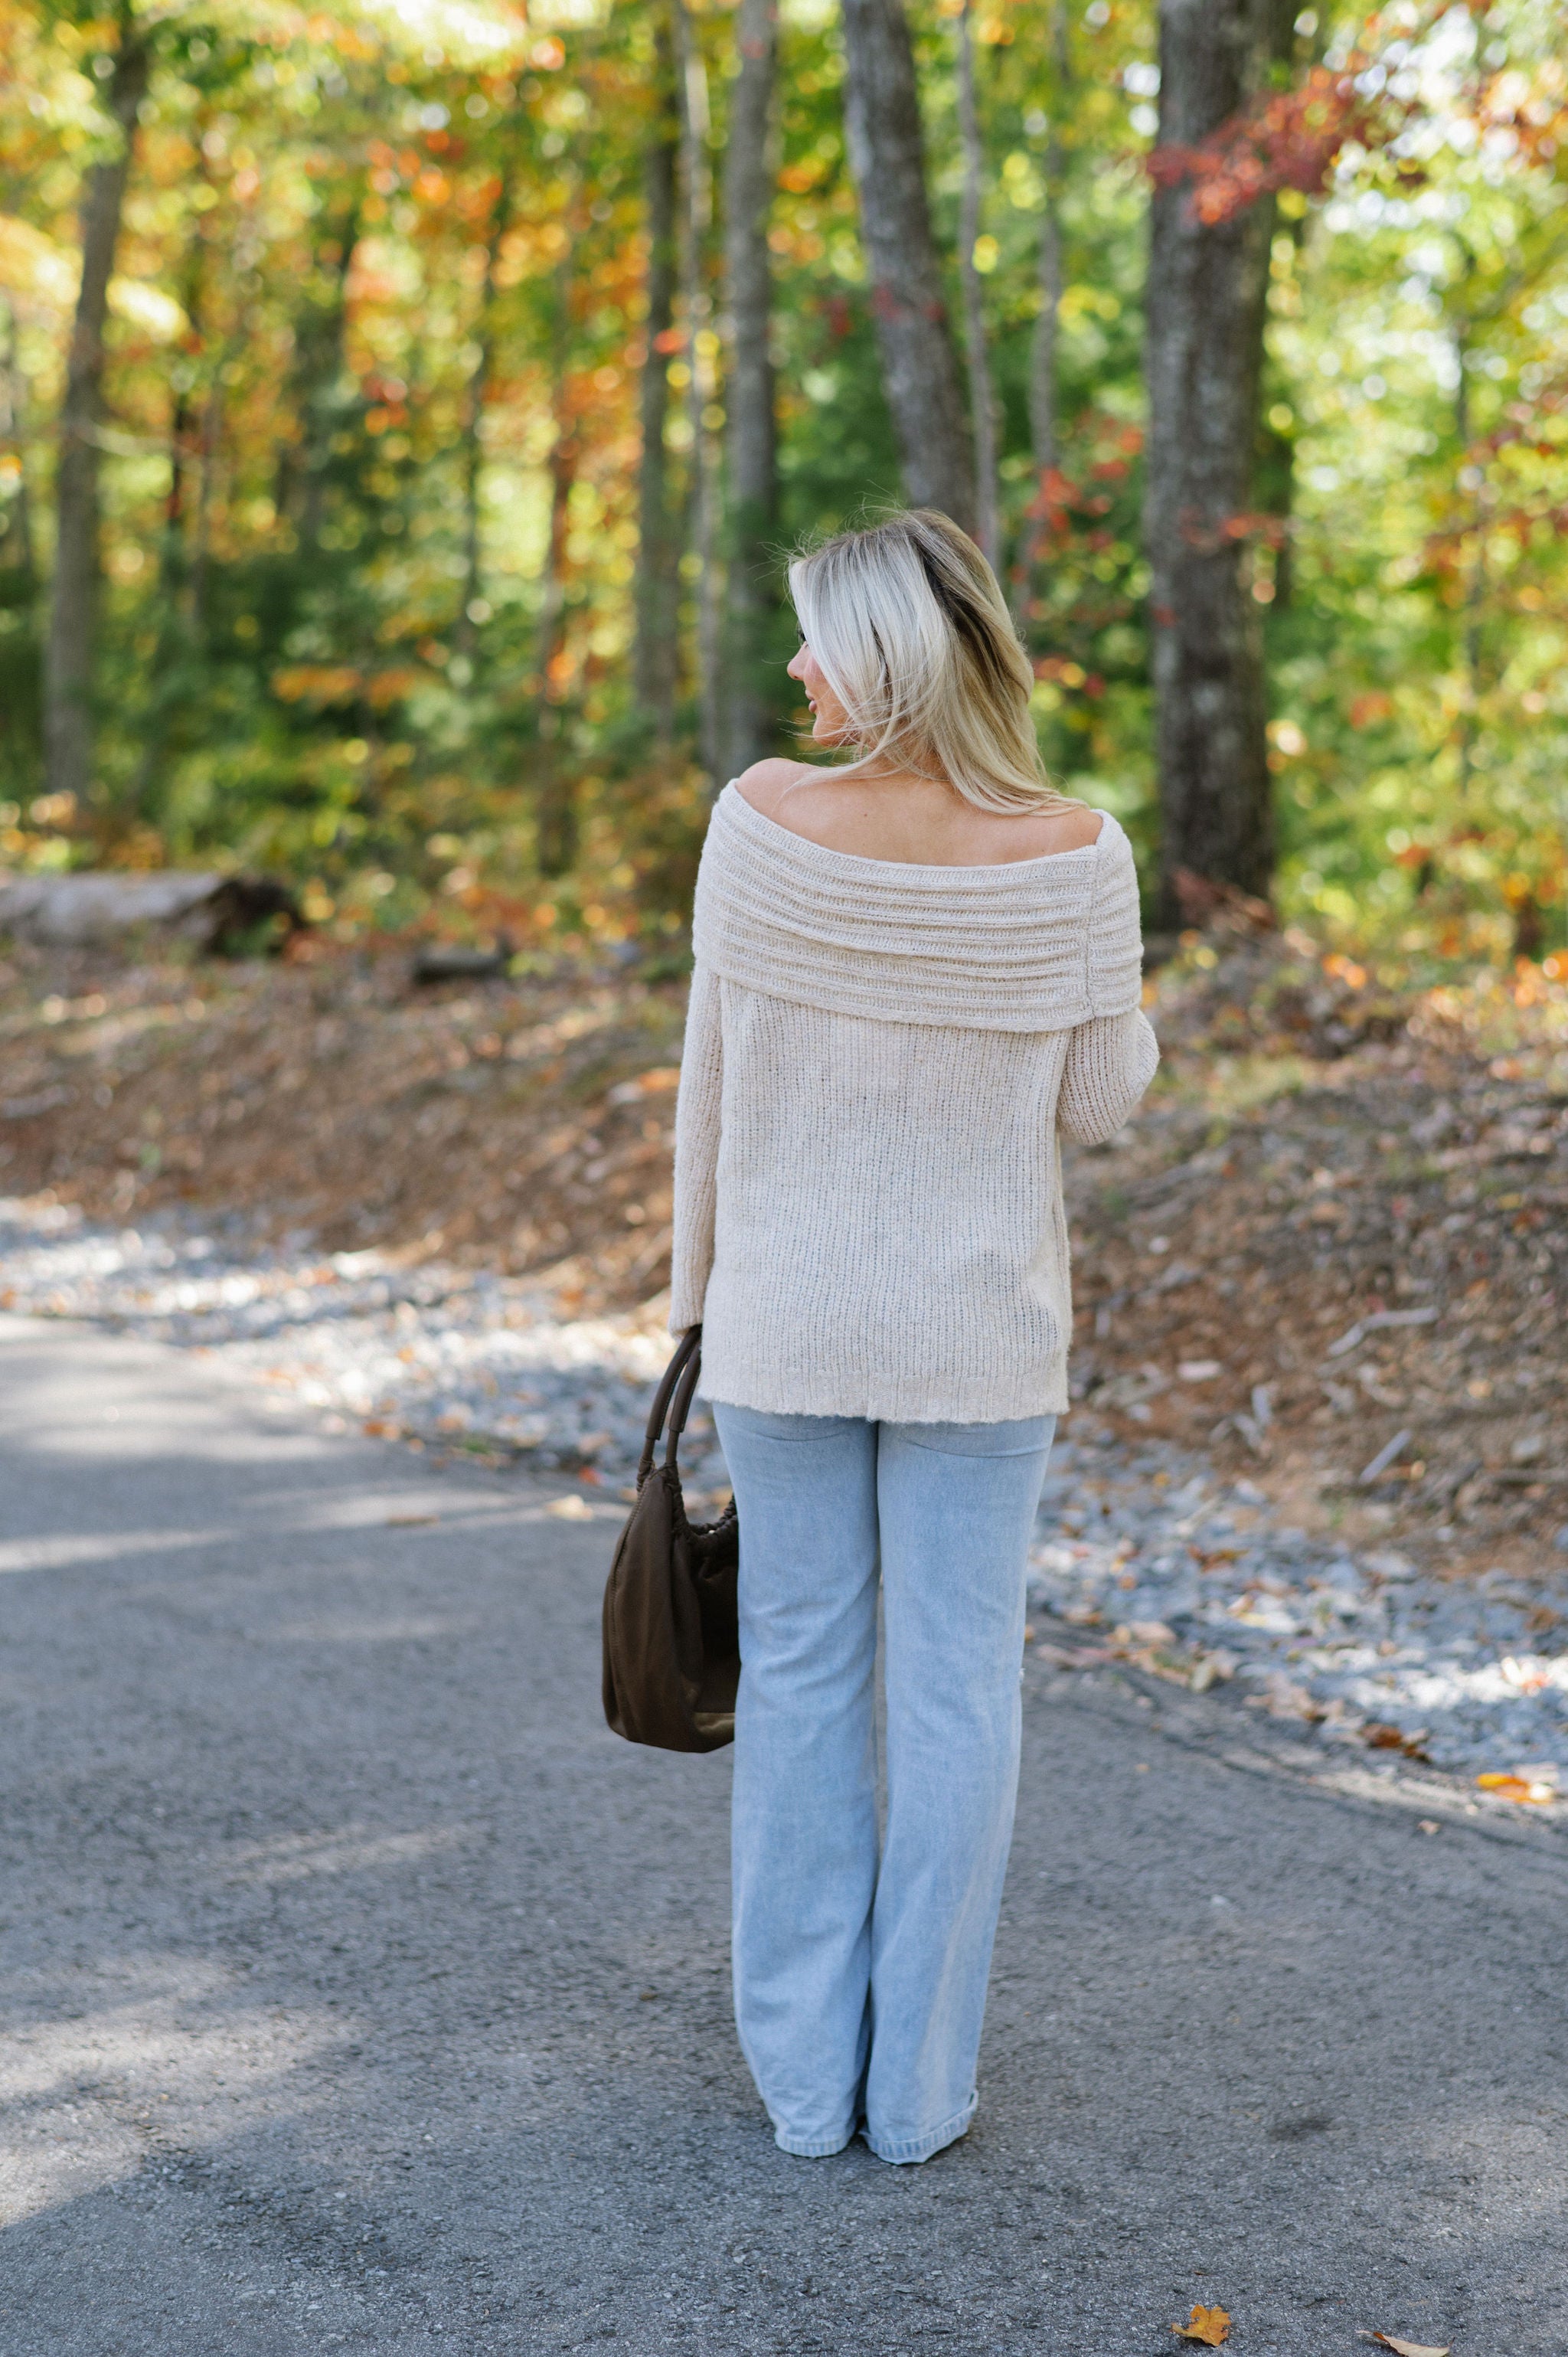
{"points": [[902, 2150], [812, 2147]]}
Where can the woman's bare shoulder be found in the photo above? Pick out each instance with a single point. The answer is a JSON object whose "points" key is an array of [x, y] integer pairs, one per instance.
{"points": [[765, 784], [1070, 828]]}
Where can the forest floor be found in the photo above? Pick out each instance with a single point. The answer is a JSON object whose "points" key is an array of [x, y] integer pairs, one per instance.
{"points": [[1320, 1275]]}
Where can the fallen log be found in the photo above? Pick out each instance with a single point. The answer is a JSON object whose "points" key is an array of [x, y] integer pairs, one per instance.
{"points": [[224, 916]]}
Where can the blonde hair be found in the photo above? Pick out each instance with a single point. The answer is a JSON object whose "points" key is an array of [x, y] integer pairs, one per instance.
{"points": [[913, 636]]}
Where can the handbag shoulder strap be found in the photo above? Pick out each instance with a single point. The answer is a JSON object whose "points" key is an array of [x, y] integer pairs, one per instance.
{"points": [[686, 1362], [682, 1407]]}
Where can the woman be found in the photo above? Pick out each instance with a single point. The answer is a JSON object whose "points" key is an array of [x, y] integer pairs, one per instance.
{"points": [[910, 971]]}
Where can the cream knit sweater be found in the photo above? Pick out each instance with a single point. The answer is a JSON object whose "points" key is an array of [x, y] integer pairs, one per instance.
{"points": [[868, 1212]]}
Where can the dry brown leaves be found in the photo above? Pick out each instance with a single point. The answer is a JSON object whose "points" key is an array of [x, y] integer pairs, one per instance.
{"points": [[1407, 2348], [1337, 1224], [524, 1124]]}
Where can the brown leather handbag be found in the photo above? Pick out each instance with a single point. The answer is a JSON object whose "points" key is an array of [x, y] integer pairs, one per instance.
{"points": [[671, 1648]]}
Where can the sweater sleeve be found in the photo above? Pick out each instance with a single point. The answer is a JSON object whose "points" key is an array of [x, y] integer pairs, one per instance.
{"points": [[696, 1152], [1110, 1063]]}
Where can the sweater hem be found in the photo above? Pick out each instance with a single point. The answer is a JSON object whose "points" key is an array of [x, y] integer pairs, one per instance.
{"points": [[872, 1402]]}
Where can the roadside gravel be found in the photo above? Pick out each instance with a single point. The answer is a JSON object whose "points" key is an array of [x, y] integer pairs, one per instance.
{"points": [[1146, 1556]]}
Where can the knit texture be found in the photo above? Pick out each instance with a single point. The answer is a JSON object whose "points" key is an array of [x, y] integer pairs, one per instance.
{"points": [[868, 1212]]}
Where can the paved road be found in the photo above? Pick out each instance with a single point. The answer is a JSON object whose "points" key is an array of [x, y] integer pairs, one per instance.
{"points": [[365, 1992]]}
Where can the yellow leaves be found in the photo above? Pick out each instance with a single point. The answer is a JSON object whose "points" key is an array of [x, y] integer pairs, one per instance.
{"points": [[140, 305], [32, 263], [327, 684], [1210, 2325], [316, 682], [1520, 1784]]}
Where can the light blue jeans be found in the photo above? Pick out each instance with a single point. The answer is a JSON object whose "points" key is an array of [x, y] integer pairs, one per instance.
{"points": [[860, 1979]]}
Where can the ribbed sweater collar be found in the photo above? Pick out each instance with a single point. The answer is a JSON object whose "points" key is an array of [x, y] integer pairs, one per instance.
{"points": [[1027, 945]]}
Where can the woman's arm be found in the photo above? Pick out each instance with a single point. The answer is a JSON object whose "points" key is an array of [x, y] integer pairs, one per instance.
{"points": [[696, 1153], [1110, 1063]]}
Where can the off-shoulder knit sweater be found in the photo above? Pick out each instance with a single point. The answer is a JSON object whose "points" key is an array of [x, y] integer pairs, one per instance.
{"points": [[868, 1212]]}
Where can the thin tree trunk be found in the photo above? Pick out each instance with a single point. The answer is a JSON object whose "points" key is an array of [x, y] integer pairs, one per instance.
{"points": [[172, 555], [753, 445], [320, 325], [702, 390], [1042, 434], [321, 401], [465, 635], [886, 154], [555, 806], [182, 416], [17, 556], [1045, 438], [1045, 444], [1476, 583], [201, 550], [73, 609], [982, 395], [659, 552], [1208, 284]]}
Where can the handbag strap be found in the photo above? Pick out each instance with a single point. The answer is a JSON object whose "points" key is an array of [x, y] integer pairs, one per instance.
{"points": [[687, 1361], [682, 1407]]}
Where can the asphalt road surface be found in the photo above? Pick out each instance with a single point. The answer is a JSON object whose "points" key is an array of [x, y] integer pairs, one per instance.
{"points": [[363, 1992]]}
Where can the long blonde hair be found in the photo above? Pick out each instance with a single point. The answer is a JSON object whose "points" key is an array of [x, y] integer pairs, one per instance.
{"points": [[914, 638]]}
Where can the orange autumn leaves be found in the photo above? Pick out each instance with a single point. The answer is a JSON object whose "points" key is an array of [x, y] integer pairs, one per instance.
{"points": [[1209, 2325], [1212, 2326]]}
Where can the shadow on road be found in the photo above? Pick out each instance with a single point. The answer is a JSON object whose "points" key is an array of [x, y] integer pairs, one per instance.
{"points": [[364, 1992]]}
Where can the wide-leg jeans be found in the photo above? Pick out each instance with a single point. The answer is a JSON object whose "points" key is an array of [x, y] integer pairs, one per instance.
{"points": [[860, 1969]]}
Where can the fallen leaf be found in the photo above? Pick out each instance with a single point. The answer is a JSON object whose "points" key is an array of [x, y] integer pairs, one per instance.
{"points": [[1523, 1789], [1068, 1657], [1209, 2325], [570, 1510], [410, 1521], [1407, 2348], [1378, 1736]]}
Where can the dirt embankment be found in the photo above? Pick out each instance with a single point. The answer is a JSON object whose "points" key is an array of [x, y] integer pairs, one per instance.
{"points": [[523, 1124], [1331, 1248]]}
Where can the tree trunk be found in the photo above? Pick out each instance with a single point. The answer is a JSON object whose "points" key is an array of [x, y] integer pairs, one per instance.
{"points": [[1475, 581], [319, 330], [555, 801], [1045, 435], [982, 395], [886, 154], [73, 609], [658, 553], [465, 635], [17, 556], [703, 391], [201, 552], [1044, 438], [753, 449], [1208, 286], [321, 399], [182, 421]]}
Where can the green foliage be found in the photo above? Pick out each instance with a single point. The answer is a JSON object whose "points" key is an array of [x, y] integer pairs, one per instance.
{"points": [[359, 275]]}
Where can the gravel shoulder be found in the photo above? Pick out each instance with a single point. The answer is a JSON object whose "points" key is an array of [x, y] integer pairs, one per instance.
{"points": [[365, 1992], [1151, 1552]]}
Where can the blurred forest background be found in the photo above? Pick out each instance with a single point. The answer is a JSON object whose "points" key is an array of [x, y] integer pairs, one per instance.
{"points": [[403, 410]]}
